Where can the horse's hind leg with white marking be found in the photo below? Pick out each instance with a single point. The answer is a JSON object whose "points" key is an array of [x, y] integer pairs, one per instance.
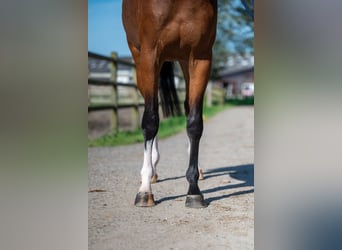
{"points": [[145, 198], [148, 86], [150, 123]]}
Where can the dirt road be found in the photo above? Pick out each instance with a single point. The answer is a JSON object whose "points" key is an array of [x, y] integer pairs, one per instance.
{"points": [[227, 159]]}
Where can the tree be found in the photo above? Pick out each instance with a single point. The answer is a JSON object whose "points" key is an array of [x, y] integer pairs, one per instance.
{"points": [[235, 31]]}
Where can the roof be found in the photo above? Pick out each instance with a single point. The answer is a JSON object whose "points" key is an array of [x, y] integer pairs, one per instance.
{"points": [[235, 71], [237, 64]]}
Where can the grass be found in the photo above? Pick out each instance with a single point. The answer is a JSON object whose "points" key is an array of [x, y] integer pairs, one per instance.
{"points": [[245, 101], [167, 128]]}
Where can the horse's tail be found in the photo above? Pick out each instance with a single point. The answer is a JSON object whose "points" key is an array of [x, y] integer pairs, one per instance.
{"points": [[168, 93]]}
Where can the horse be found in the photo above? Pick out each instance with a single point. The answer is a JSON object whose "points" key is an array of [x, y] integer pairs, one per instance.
{"points": [[159, 32]]}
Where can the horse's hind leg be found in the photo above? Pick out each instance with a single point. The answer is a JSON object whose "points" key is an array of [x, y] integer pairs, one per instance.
{"points": [[199, 73], [147, 83], [150, 123], [185, 68]]}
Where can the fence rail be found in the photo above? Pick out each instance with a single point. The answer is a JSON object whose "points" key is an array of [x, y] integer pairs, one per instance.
{"points": [[114, 85]]}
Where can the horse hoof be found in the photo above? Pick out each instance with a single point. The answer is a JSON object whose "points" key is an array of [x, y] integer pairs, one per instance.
{"points": [[195, 201], [154, 179], [144, 200], [201, 177]]}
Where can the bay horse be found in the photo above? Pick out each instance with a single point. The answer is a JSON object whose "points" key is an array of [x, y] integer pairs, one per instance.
{"points": [[159, 32]]}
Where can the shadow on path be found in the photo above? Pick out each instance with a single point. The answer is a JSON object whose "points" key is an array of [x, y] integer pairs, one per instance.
{"points": [[243, 173], [169, 198], [171, 178]]}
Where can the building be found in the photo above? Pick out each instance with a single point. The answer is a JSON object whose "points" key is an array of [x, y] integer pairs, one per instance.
{"points": [[237, 77]]}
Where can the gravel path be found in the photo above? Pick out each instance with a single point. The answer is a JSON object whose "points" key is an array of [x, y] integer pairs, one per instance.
{"points": [[227, 160]]}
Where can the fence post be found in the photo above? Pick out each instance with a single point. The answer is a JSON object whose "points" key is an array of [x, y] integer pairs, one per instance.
{"points": [[113, 74]]}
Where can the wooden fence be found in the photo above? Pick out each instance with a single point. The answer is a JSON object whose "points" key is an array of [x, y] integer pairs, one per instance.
{"points": [[115, 104], [118, 98]]}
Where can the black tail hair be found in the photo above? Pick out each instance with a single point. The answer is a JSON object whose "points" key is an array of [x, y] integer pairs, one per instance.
{"points": [[167, 90]]}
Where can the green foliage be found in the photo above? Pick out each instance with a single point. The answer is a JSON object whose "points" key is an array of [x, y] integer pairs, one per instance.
{"points": [[235, 33]]}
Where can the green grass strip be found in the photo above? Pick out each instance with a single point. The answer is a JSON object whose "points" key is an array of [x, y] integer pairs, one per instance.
{"points": [[167, 128]]}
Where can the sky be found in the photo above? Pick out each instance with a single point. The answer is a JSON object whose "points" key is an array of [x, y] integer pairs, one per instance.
{"points": [[105, 30]]}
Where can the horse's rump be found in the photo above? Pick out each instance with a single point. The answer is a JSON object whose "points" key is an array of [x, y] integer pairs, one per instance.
{"points": [[173, 30]]}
